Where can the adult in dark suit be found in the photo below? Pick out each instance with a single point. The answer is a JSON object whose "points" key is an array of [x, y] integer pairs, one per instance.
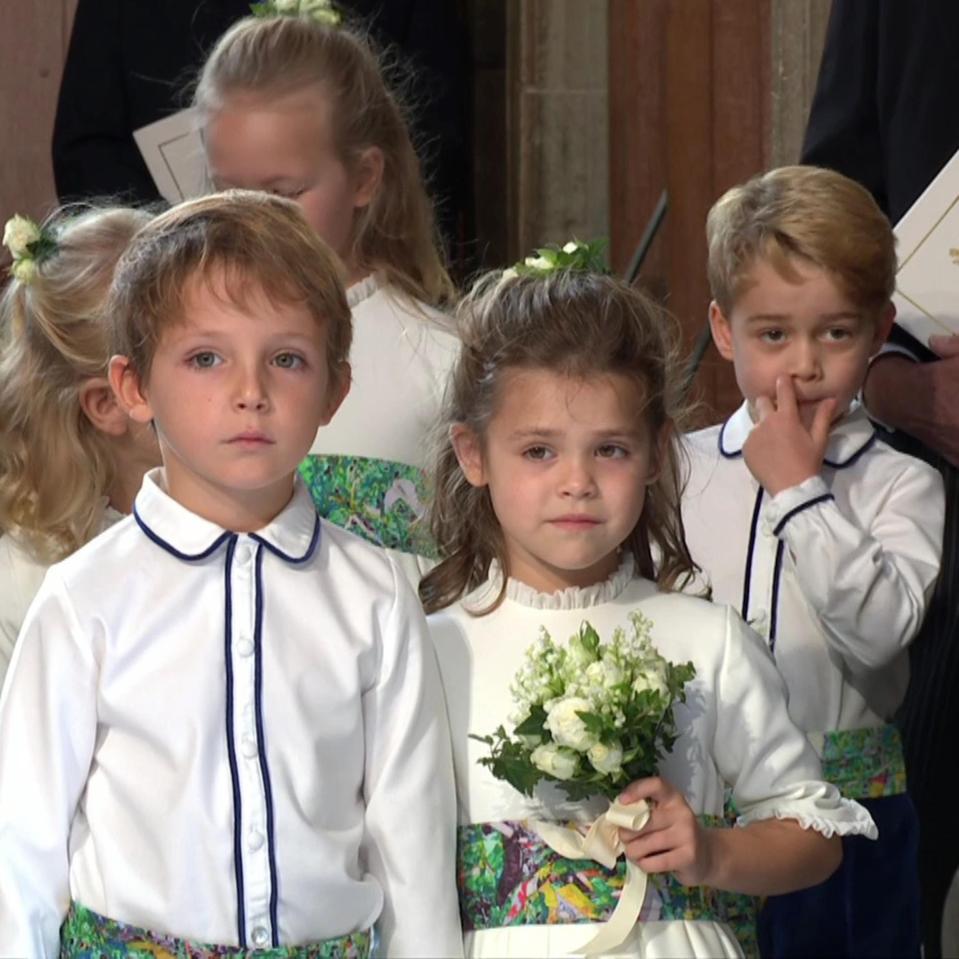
{"points": [[130, 63], [885, 113]]}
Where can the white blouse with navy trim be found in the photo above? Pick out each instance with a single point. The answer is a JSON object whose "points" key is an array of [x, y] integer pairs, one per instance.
{"points": [[235, 738], [836, 573]]}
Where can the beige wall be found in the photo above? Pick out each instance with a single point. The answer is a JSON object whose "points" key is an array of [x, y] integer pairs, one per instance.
{"points": [[33, 44]]}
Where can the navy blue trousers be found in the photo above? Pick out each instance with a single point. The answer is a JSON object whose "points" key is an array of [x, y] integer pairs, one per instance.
{"points": [[868, 907]]}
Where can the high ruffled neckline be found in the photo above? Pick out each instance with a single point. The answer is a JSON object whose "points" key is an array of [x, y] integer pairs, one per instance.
{"points": [[363, 289], [573, 597]]}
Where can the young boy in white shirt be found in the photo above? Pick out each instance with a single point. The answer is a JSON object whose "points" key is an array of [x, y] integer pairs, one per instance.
{"points": [[826, 540], [223, 728]]}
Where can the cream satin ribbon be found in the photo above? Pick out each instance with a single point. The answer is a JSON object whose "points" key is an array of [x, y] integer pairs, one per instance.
{"points": [[603, 844]]}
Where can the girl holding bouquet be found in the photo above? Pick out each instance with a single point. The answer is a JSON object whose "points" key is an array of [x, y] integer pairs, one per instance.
{"points": [[556, 502]]}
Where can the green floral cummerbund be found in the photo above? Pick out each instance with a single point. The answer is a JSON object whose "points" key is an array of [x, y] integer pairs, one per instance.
{"points": [[508, 876], [383, 502], [864, 763], [86, 934]]}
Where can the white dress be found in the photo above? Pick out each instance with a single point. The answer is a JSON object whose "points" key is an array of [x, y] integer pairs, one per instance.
{"points": [[365, 468], [735, 731], [20, 578]]}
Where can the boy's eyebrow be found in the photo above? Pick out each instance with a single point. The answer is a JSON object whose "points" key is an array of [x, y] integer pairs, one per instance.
{"points": [[544, 433], [781, 317]]}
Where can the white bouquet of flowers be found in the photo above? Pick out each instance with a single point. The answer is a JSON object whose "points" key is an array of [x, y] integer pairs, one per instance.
{"points": [[592, 716]]}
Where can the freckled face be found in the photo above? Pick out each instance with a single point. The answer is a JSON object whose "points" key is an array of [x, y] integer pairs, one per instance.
{"points": [[236, 393]]}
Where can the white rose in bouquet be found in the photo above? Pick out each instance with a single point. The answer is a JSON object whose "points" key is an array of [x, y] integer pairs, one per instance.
{"points": [[652, 678], [606, 759], [555, 761], [566, 727]]}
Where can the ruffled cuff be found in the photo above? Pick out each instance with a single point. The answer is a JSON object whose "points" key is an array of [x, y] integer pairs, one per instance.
{"points": [[827, 813]]}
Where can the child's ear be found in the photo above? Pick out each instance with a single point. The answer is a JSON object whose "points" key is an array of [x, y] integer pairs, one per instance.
{"points": [[367, 176], [100, 407], [883, 326], [337, 391], [469, 452], [721, 330], [128, 389]]}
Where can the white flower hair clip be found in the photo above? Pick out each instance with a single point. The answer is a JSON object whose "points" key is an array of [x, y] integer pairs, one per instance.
{"points": [[29, 245], [574, 255], [322, 11]]}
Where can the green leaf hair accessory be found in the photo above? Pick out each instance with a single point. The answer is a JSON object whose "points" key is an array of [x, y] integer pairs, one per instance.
{"points": [[575, 255], [29, 245], [322, 11]]}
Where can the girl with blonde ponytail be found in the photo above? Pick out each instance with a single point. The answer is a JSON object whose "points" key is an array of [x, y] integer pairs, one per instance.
{"points": [[70, 460]]}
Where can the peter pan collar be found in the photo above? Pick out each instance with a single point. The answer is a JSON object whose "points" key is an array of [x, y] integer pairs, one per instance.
{"points": [[848, 439], [292, 535]]}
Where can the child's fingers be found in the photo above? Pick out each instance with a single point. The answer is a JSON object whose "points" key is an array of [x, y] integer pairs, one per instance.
{"points": [[764, 407], [651, 788], [822, 421], [786, 396]]}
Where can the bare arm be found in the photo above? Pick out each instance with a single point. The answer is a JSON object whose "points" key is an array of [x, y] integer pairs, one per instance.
{"points": [[769, 857]]}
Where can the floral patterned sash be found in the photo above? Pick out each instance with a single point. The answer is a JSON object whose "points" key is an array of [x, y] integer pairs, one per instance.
{"points": [[86, 934], [507, 876], [383, 502], [865, 763]]}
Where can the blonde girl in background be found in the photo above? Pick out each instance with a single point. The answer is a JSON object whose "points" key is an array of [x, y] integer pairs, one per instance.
{"points": [[298, 106], [70, 459], [557, 483]]}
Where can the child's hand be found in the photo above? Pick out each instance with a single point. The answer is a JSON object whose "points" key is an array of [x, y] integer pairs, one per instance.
{"points": [[672, 839], [781, 451]]}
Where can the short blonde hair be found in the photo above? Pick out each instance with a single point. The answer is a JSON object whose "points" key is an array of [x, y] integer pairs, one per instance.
{"points": [[55, 466], [576, 324], [254, 240], [815, 214], [268, 57]]}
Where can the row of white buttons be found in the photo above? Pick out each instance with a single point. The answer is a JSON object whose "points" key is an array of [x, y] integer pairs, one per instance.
{"points": [[259, 934]]}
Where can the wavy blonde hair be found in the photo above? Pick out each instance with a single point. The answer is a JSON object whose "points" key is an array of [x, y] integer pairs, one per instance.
{"points": [[809, 212], [55, 466], [576, 324], [396, 233]]}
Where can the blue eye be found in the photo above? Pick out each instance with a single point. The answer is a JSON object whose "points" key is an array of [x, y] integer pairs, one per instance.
{"points": [[205, 360]]}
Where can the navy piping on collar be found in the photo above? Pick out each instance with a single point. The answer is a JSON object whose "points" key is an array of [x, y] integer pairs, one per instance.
{"points": [[231, 748], [722, 452], [798, 509], [212, 548], [295, 560], [747, 574], [855, 456], [827, 462], [777, 570], [261, 752]]}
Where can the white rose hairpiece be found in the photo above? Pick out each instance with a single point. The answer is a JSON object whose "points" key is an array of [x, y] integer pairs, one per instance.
{"points": [[321, 10], [574, 255], [29, 245]]}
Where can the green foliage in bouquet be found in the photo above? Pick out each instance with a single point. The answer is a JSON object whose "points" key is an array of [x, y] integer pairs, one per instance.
{"points": [[591, 716]]}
